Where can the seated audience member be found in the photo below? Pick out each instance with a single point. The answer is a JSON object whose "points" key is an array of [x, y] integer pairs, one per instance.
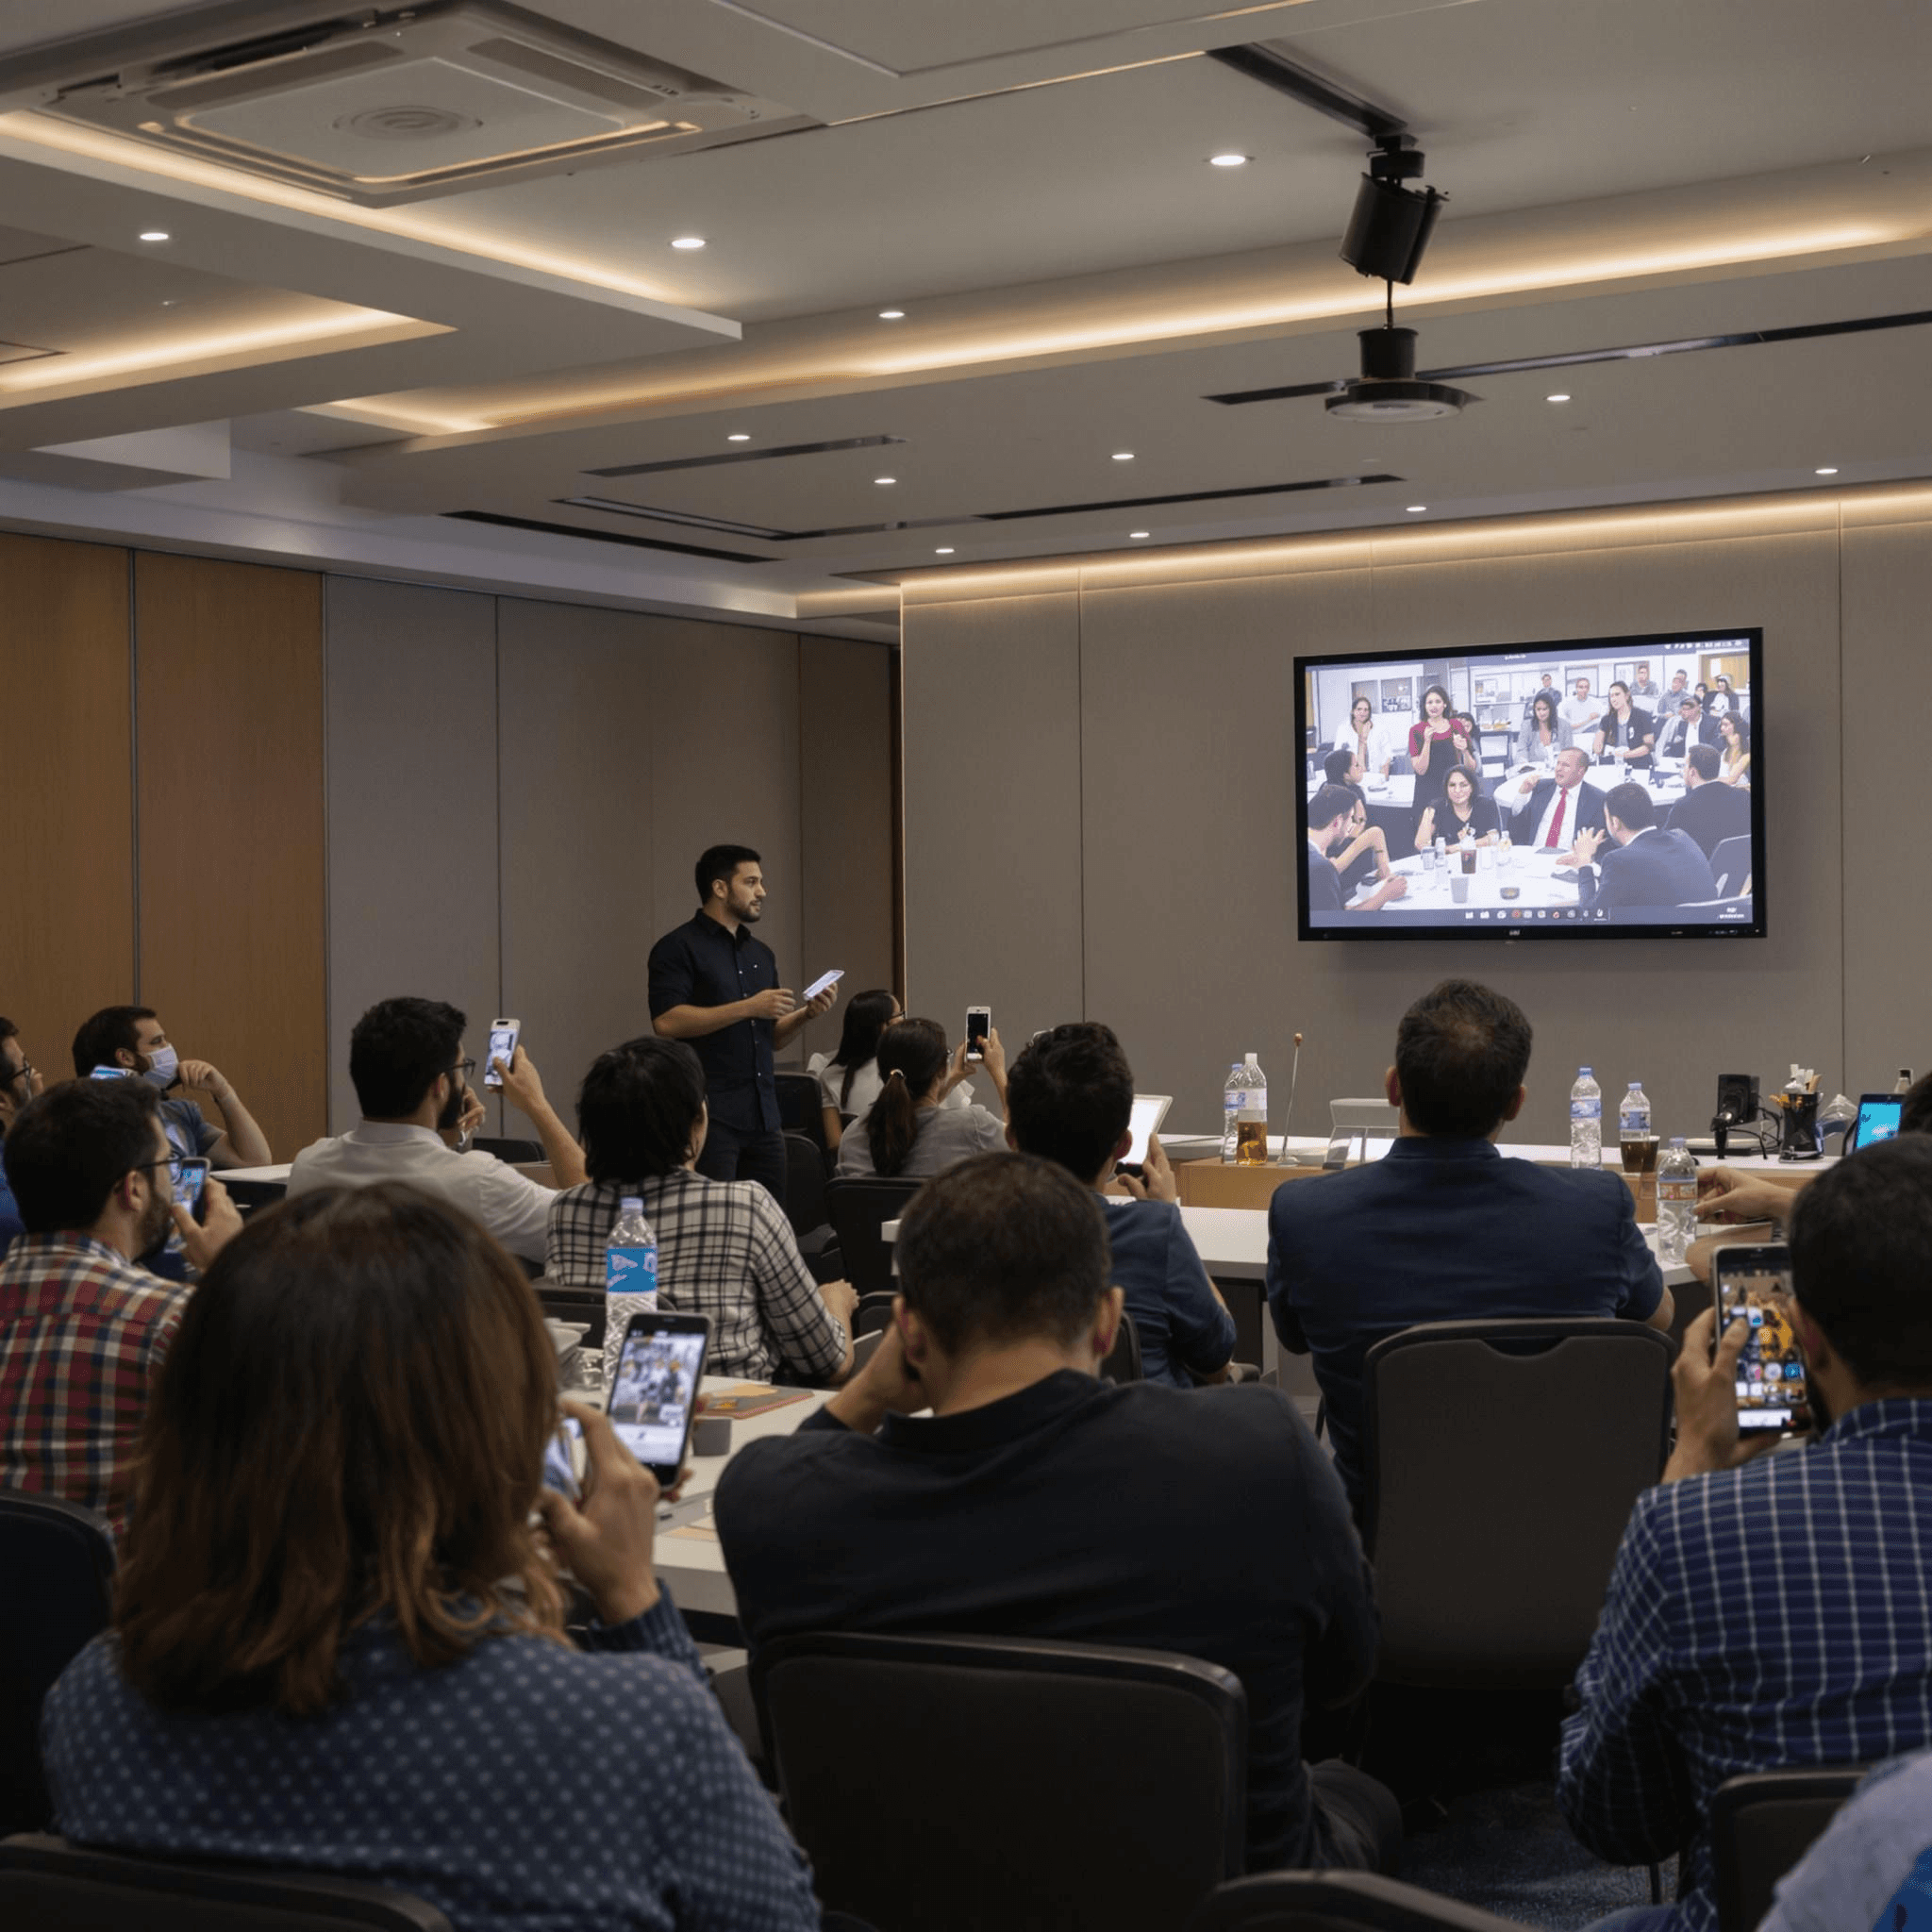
{"points": [[1036, 1500], [1579, 710], [1463, 815], [1369, 737], [1769, 1611], [338, 1641], [1642, 864], [1643, 691], [908, 1130], [849, 1080], [18, 1083], [1546, 689], [1362, 853], [1331, 813], [1070, 1100], [82, 1329], [1414, 1236], [1625, 735], [724, 1248], [1543, 734], [1710, 813], [411, 1080], [1872, 1864], [134, 1038], [1734, 742], [1551, 811], [1688, 726]]}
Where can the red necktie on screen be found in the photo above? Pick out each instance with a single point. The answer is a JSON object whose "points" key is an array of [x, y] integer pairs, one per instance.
{"points": [[1556, 823]]}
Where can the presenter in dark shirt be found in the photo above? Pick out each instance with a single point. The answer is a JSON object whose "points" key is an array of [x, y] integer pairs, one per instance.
{"points": [[714, 985]]}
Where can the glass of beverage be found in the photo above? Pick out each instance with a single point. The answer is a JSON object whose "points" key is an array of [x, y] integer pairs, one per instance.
{"points": [[1640, 1161], [1428, 857], [1468, 856]]}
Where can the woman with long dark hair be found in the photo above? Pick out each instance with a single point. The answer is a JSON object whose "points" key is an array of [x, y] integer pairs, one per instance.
{"points": [[1439, 741], [1734, 742], [1544, 732], [910, 1130], [338, 1638]]}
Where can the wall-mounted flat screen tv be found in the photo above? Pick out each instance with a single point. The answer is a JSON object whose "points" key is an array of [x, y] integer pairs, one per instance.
{"points": [[1588, 788]]}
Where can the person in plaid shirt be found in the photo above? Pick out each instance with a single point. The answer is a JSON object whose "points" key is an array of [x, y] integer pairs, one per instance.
{"points": [[724, 1248], [82, 1329], [1773, 1610]]}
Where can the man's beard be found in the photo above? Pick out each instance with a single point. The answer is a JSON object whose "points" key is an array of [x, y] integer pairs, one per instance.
{"points": [[452, 1108], [159, 1220]]}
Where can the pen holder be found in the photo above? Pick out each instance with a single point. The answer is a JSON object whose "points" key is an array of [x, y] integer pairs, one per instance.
{"points": [[711, 1435]]}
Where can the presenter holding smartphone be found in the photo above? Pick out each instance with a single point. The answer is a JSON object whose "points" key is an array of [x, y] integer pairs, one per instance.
{"points": [[715, 984]]}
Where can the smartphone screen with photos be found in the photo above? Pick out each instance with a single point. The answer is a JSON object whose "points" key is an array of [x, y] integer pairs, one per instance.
{"points": [[503, 1046], [188, 1186], [657, 1381], [1771, 1371]]}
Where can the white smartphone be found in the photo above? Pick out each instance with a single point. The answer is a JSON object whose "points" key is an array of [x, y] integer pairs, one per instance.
{"points": [[1150, 1109], [823, 980], [979, 1024], [503, 1046]]}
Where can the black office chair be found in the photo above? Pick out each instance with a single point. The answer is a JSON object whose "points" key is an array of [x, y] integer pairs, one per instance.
{"points": [[1338, 1902], [804, 1206], [1762, 1824], [57, 1580], [586, 1305], [1730, 863], [858, 1208], [1122, 1364], [801, 1110], [527, 1152], [1071, 1784], [874, 1312], [1491, 1550], [48, 1882]]}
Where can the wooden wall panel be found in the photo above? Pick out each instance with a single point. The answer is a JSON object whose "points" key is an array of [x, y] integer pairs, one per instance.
{"points": [[67, 932], [231, 794]]}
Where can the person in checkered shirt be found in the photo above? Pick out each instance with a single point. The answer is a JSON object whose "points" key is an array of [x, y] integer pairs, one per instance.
{"points": [[82, 1329]]}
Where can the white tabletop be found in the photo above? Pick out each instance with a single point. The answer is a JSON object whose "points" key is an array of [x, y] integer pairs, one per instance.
{"points": [[1665, 783], [279, 1172]]}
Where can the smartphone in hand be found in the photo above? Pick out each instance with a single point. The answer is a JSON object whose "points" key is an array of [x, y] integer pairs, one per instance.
{"points": [[504, 1035], [979, 1024]]}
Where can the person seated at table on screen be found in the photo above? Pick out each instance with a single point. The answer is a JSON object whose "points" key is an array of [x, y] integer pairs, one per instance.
{"points": [[724, 1248], [1579, 710], [1551, 811], [1689, 727], [1626, 735], [1368, 738], [1734, 742], [1724, 699], [1331, 812], [1439, 741], [1710, 813], [1546, 689], [1464, 817], [911, 1131], [1363, 854], [338, 1638], [1038, 1500], [1543, 734], [1641, 863]]}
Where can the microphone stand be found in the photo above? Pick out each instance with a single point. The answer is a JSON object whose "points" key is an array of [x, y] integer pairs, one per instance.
{"points": [[1293, 1075]]}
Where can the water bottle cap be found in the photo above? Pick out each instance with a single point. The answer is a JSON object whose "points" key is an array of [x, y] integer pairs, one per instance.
{"points": [[626, 1202], [1676, 1140], [1581, 1072], [1635, 1085], [1253, 1057]]}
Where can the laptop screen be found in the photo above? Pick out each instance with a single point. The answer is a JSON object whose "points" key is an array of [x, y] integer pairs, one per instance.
{"points": [[1877, 1121]]}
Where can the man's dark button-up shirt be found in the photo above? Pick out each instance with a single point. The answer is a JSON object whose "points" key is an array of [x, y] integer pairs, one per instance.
{"points": [[702, 963]]}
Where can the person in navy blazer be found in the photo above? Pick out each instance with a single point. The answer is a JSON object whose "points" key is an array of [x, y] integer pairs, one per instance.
{"points": [[1689, 727], [1583, 809], [1443, 1227], [1642, 864], [1710, 813]]}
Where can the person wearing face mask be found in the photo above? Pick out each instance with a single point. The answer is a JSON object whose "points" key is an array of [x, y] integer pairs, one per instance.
{"points": [[82, 1327], [412, 1082]]}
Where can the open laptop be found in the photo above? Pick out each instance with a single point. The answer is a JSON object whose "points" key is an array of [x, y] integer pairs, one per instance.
{"points": [[1877, 1121]]}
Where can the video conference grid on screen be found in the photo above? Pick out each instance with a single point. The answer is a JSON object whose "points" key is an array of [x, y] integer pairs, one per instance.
{"points": [[1602, 788]]}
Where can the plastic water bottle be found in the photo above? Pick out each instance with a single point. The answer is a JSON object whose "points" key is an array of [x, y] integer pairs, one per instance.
{"points": [[1231, 1112], [630, 1278], [1676, 1200], [1586, 1121], [1633, 1128], [1251, 1124]]}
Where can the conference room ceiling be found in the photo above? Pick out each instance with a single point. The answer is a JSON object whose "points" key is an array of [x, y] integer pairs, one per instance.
{"points": [[1029, 183]]}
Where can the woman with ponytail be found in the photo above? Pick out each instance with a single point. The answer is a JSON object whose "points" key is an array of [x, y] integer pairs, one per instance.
{"points": [[910, 1130]]}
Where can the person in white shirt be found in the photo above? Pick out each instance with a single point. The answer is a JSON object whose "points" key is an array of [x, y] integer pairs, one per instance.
{"points": [[849, 1079], [1579, 710], [1368, 738], [411, 1079], [1551, 811], [1643, 691]]}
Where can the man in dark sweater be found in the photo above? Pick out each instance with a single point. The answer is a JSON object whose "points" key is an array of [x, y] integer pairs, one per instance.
{"points": [[1036, 1500]]}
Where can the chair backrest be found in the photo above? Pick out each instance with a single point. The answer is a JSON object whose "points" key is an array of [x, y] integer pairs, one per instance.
{"points": [[801, 1108], [1122, 1364], [1502, 1459], [509, 1150], [1762, 1824], [858, 1208], [46, 1881], [805, 1183], [1730, 861], [1338, 1902], [57, 1579], [1071, 1784], [874, 1314]]}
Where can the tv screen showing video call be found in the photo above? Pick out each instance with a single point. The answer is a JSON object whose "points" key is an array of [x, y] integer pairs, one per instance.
{"points": [[1599, 788]]}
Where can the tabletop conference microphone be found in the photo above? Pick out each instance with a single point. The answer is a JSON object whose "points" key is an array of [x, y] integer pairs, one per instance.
{"points": [[1287, 1159]]}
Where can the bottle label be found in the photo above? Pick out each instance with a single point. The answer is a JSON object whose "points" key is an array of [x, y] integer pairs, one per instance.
{"points": [[1678, 1189], [1231, 1102], [1254, 1101], [630, 1270], [1591, 1110], [1634, 1122]]}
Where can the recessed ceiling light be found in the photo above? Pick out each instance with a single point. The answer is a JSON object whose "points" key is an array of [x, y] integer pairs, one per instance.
{"points": [[1415, 510], [892, 315], [687, 242], [1825, 473], [1228, 161], [738, 435], [156, 235], [885, 479], [1123, 456], [944, 550], [1559, 397], [1136, 533]]}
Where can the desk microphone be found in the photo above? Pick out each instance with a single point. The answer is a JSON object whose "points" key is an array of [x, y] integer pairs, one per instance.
{"points": [[1293, 1075], [1721, 1129]]}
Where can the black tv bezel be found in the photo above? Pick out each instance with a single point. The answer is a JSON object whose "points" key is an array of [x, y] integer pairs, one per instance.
{"points": [[1372, 929]]}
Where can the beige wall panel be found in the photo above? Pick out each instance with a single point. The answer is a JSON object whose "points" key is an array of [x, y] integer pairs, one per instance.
{"points": [[993, 812], [412, 861], [1186, 725], [845, 830], [229, 719], [1888, 908], [67, 937]]}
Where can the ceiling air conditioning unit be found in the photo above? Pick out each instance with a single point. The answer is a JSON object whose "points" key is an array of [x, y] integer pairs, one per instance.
{"points": [[386, 105]]}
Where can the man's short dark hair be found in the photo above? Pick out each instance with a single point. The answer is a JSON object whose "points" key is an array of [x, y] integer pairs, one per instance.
{"points": [[396, 1052], [1070, 1096], [68, 1150], [1460, 1054], [1331, 803], [1859, 1236], [1689, 701], [101, 1038], [638, 1107], [722, 862], [1703, 759], [1337, 765], [1001, 1248], [1631, 807]]}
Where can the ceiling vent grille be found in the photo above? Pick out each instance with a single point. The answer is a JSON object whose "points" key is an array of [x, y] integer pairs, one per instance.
{"points": [[394, 105]]}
